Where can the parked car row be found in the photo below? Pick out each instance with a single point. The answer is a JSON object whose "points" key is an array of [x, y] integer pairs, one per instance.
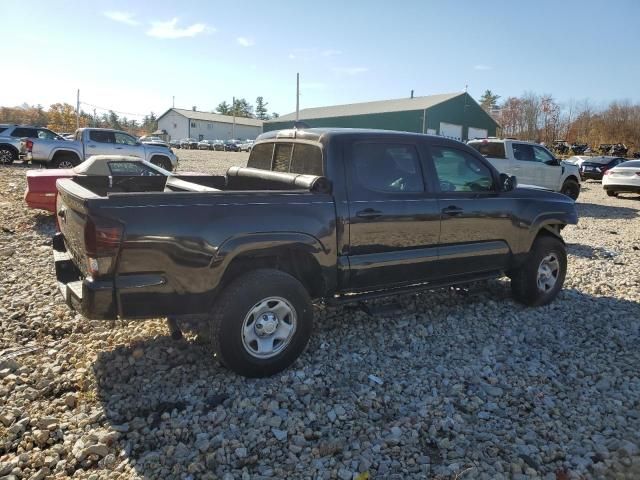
{"points": [[59, 153], [232, 145]]}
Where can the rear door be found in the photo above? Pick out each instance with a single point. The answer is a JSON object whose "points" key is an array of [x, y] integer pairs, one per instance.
{"points": [[100, 142], [475, 219], [524, 164], [393, 219]]}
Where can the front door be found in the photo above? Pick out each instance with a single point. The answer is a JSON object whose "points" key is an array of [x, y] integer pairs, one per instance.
{"points": [[549, 167], [394, 222], [127, 145], [475, 219]]}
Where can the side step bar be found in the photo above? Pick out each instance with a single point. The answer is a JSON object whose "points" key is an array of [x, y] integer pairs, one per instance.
{"points": [[349, 297]]}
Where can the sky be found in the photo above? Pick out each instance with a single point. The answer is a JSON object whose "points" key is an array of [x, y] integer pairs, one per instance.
{"points": [[134, 57]]}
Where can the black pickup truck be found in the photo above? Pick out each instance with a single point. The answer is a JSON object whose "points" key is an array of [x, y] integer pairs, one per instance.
{"points": [[333, 215]]}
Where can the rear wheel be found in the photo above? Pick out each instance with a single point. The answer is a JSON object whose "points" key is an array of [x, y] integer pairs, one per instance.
{"points": [[540, 278], [261, 323], [611, 193], [7, 155], [571, 188]]}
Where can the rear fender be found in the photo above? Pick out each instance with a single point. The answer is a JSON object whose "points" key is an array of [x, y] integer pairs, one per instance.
{"points": [[266, 242]]}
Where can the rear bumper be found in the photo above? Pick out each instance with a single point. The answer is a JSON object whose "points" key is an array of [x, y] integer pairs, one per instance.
{"points": [[591, 175], [622, 188], [93, 299]]}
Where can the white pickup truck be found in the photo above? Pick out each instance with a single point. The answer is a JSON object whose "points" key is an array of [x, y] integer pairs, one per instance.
{"points": [[531, 163], [97, 141]]}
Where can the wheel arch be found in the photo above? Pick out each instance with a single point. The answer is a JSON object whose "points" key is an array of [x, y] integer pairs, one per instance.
{"points": [[298, 254], [58, 152]]}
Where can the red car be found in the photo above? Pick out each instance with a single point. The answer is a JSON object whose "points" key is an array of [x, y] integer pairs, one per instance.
{"points": [[41, 189]]}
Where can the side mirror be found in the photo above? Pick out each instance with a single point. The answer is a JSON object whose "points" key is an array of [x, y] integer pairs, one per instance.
{"points": [[554, 162], [507, 183]]}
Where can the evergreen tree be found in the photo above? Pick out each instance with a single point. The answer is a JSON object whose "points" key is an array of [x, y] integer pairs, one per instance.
{"points": [[261, 109], [489, 100], [223, 108]]}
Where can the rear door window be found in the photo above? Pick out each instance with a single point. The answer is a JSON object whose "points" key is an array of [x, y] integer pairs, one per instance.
{"points": [[102, 136], [385, 167], [489, 149], [2, 129]]}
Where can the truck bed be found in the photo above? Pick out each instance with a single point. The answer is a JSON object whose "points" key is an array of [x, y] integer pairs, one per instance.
{"points": [[185, 232]]}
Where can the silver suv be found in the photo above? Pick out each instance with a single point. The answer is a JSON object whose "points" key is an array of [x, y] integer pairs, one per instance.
{"points": [[10, 135]]}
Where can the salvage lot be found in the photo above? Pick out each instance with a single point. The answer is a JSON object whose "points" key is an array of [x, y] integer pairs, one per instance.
{"points": [[459, 382]]}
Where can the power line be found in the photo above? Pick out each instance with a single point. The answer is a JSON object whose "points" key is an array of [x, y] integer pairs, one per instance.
{"points": [[115, 111]]}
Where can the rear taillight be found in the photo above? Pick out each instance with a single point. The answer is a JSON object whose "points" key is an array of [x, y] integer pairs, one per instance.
{"points": [[607, 172], [102, 237], [29, 145]]}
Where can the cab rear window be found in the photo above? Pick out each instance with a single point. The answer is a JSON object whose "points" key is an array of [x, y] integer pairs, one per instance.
{"points": [[293, 157], [489, 149]]}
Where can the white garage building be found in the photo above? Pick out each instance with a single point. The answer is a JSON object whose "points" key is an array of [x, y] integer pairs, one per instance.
{"points": [[178, 123]]}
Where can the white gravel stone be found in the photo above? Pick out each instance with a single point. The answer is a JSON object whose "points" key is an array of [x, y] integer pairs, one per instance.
{"points": [[467, 378]]}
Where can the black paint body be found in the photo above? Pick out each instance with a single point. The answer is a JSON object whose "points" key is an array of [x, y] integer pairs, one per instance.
{"points": [[178, 247]]}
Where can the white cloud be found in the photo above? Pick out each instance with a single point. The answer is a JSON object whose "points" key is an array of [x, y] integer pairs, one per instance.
{"points": [[169, 29], [245, 42], [350, 70], [330, 53], [482, 67], [122, 17]]}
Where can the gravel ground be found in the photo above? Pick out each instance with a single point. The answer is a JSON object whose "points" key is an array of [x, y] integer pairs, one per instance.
{"points": [[458, 383]]}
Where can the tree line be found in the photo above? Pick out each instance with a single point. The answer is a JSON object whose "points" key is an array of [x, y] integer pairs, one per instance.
{"points": [[542, 118], [61, 117], [240, 107]]}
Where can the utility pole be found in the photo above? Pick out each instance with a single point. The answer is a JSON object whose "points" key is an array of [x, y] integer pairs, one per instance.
{"points": [[233, 110], [95, 118], [78, 110], [297, 96], [173, 102]]}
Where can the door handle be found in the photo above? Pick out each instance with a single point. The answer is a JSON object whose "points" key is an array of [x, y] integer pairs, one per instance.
{"points": [[452, 210], [118, 148], [369, 213], [91, 146]]}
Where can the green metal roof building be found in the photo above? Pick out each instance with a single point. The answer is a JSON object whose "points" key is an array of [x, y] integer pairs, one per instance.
{"points": [[452, 115]]}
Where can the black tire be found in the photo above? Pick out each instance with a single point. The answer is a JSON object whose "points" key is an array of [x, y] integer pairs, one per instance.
{"points": [[65, 160], [571, 188], [611, 193], [232, 308], [7, 155], [524, 280], [162, 162]]}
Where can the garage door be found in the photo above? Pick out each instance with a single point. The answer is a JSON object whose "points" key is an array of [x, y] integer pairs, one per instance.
{"points": [[477, 133], [451, 130]]}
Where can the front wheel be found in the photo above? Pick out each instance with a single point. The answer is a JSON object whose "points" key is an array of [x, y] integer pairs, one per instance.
{"points": [[571, 189], [611, 193], [162, 163], [539, 279], [261, 323]]}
